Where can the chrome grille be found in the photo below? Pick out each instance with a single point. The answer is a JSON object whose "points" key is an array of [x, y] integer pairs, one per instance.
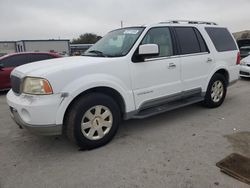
{"points": [[15, 84]]}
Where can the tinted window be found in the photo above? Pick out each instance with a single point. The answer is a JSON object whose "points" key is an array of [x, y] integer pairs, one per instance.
{"points": [[39, 57], [203, 46], [188, 40], [21, 59], [162, 37], [221, 38], [14, 61]]}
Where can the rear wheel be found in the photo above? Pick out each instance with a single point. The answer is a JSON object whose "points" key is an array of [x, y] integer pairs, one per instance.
{"points": [[93, 120], [216, 91]]}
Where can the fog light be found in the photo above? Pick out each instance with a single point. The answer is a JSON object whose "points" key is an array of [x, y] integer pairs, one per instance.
{"points": [[25, 115]]}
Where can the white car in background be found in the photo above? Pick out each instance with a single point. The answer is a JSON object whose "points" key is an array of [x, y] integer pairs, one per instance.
{"points": [[245, 67]]}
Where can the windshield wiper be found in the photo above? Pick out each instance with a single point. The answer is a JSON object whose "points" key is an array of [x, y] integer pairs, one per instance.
{"points": [[98, 53]]}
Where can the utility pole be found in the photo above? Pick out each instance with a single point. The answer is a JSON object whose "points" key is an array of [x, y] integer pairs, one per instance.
{"points": [[121, 24]]}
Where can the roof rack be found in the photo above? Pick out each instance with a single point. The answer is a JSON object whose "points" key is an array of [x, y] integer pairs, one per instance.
{"points": [[188, 22]]}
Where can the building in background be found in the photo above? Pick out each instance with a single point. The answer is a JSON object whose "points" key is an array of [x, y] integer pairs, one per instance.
{"points": [[7, 47], [79, 49], [61, 47]]}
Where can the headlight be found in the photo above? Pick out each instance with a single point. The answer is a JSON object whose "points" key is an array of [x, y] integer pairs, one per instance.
{"points": [[243, 63], [37, 86]]}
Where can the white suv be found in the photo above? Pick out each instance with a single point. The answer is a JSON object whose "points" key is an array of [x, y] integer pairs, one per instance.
{"points": [[133, 72]]}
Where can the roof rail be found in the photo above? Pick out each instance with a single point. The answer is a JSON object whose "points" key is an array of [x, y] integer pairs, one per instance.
{"points": [[188, 22]]}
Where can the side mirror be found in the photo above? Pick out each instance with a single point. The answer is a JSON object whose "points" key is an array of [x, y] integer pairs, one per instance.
{"points": [[148, 50]]}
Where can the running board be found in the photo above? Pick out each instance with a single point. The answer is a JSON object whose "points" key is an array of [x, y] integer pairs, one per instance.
{"points": [[167, 107]]}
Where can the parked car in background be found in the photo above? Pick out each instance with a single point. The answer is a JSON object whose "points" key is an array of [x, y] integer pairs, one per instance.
{"points": [[245, 67], [244, 51], [9, 62]]}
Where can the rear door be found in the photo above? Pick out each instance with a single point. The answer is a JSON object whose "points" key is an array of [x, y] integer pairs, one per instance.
{"points": [[196, 59]]}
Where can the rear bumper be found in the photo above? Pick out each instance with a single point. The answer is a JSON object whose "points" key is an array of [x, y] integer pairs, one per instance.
{"points": [[45, 130], [233, 74]]}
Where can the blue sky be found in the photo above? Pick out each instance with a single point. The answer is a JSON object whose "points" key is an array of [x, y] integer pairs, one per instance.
{"points": [[33, 19]]}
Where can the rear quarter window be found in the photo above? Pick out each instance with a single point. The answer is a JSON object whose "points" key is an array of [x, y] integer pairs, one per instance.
{"points": [[221, 39]]}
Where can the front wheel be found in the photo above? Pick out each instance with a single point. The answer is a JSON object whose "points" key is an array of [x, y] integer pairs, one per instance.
{"points": [[216, 91], [93, 120]]}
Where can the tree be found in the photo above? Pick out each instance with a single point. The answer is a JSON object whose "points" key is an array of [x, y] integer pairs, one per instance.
{"points": [[87, 38], [245, 35]]}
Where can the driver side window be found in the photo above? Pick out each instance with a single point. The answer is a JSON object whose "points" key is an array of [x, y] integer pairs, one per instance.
{"points": [[162, 37]]}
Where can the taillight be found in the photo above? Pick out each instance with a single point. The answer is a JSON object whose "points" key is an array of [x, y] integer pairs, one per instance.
{"points": [[238, 59]]}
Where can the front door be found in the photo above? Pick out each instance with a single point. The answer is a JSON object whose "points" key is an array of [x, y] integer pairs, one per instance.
{"points": [[156, 78]]}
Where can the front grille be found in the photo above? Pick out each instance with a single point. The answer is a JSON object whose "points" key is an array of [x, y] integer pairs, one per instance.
{"points": [[15, 84]]}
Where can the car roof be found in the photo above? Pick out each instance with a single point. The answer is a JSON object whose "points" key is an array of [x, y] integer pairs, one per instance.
{"points": [[183, 23]]}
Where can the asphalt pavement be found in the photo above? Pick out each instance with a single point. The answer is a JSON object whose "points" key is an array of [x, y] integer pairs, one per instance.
{"points": [[177, 149]]}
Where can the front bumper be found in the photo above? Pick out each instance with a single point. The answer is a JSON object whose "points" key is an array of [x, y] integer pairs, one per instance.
{"points": [[45, 130], [244, 71], [35, 113]]}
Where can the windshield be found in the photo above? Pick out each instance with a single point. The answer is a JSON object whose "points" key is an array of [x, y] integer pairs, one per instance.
{"points": [[116, 43]]}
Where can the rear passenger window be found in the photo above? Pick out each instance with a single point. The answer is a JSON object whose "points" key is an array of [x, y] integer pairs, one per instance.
{"points": [[37, 57], [190, 40], [40, 57], [221, 39]]}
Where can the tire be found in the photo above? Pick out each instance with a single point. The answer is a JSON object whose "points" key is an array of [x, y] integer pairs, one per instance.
{"points": [[87, 124], [216, 91]]}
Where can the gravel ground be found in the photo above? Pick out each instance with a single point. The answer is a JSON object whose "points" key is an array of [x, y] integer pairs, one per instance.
{"points": [[178, 149]]}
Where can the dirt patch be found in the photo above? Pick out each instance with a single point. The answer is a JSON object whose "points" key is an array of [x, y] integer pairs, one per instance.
{"points": [[240, 142]]}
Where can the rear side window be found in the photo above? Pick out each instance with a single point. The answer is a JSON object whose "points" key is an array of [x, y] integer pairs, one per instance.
{"points": [[190, 40], [221, 39], [39, 57]]}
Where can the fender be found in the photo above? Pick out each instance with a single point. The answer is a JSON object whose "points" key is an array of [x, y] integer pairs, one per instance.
{"points": [[87, 82], [222, 65]]}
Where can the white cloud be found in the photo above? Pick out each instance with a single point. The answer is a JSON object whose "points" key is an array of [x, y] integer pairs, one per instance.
{"points": [[46, 19]]}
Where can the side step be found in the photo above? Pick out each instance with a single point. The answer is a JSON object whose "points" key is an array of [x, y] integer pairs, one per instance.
{"points": [[167, 107]]}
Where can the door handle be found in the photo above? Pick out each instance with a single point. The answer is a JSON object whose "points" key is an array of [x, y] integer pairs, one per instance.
{"points": [[171, 66], [209, 60]]}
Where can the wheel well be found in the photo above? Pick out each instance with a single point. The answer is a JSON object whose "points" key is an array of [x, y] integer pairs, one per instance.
{"points": [[224, 73], [105, 90]]}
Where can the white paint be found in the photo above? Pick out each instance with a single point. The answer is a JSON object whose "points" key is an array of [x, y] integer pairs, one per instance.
{"points": [[136, 82]]}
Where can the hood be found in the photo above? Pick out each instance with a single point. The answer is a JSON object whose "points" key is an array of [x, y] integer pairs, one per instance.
{"points": [[42, 68]]}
